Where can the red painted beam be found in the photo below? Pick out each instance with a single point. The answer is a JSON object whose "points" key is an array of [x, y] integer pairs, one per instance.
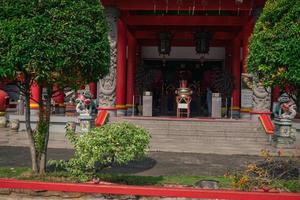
{"points": [[147, 191], [181, 43], [151, 5], [183, 35], [134, 20]]}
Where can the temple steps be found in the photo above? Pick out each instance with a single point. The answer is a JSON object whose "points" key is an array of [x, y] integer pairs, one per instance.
{"points": [[11, 138], [197, 136]]}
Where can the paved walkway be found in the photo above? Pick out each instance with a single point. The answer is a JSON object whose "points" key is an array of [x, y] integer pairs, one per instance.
{"points": [[155, 164], [14, 153]]}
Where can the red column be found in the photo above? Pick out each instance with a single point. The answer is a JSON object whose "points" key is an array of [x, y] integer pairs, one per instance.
{"points": [[34, 96], [247, 31], [121, 68], [93, 89], [236, 70], [275, 94], [58, 96], [228, 58], [132, 48]]}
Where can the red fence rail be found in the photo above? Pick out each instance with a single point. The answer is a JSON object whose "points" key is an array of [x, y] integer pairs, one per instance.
{"points": [[146, 191]]}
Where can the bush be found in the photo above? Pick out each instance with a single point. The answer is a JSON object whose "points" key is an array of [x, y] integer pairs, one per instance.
{"points": [[272, 172], [100, 148]]}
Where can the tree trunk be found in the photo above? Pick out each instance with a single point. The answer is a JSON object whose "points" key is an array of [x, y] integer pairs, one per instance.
{"points": [[28, 126], [43, 158]]}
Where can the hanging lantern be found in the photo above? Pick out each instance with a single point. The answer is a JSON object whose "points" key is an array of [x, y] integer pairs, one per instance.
{"points": [[239, 1], [202, 42], [164, 47]]}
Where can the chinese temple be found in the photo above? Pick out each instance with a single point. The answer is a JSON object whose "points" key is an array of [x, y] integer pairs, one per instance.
{"points": [[155, 44], [175, 63]]}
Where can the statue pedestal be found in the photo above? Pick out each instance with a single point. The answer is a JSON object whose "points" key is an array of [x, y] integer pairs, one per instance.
{"points": [[285, 134], [85, 122], [216, 105], [147, 104], [3, 121]]}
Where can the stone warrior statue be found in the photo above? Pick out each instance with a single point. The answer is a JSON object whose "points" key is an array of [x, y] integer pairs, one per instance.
{"points": [[84, 103], [261, 95], [285, 134], [287, 107]]}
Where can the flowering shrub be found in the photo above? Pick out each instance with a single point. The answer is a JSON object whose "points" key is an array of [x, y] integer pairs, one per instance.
{"points": [[116, 143]]}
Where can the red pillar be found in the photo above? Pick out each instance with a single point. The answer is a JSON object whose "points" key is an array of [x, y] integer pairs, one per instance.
{"points": [[228, 58], [132, 48], [34, 96], [236, 70], [121, 69], [93, 89], [275, 94], [58, 96], [247, 31]]}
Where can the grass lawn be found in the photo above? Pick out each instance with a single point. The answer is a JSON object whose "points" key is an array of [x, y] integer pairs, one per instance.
{"points": [[224, 182]]}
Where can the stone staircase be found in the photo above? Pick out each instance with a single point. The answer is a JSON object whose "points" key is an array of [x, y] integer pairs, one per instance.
{"points": [[12, 138], [204, 136]]}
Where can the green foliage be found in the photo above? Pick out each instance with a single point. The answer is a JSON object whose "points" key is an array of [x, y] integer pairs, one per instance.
{"points": [[39, 136], [11, 172], [55, 41], [116, 143], [274, 50], [273, 172]]}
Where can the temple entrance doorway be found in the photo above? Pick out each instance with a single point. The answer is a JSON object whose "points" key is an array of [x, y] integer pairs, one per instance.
{"points": [[162, 79]]}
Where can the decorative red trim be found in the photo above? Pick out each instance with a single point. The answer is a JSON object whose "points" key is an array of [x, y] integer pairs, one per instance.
{"points": [[173, 5], [267, 123], [144, 20], [260, 113], [106, 108], [101, 118], [146, 191], [195, 119]]}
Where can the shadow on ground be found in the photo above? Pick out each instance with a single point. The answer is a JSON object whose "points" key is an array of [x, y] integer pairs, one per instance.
{"points": [[132, 167], [155, 164]]}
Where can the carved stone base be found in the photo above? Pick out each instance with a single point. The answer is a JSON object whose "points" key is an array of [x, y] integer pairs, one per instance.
{"points": [[14, 125], [3, 121], [85, 123], [285, 134]]}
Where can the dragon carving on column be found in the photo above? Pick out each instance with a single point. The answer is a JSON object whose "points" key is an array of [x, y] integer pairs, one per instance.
{"points": [[107, 85], [261, 100]]}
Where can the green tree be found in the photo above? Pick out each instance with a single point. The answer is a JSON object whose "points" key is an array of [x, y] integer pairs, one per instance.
{"points": [[51, 42], [274, 50], [100, 148]]}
